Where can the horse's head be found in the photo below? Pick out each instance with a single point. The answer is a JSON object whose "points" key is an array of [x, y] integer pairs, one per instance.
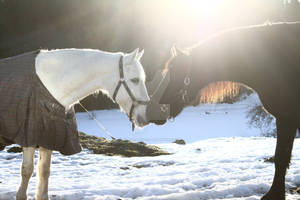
{"points": [[169, 97], [131, 92], [178, 92]]}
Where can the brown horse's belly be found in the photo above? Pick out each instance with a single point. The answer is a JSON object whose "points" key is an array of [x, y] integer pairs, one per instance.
{"points": [[282, 105]]}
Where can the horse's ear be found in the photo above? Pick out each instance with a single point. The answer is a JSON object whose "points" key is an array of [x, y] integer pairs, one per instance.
{"points": [[181, 51], [173, 51], [140, 54], [133, 55]]}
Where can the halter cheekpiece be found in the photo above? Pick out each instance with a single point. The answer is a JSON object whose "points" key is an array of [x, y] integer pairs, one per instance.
{"points": [[186, 84], [122, 81]]}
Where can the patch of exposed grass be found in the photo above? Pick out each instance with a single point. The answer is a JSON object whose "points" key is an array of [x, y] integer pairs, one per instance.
{"points": [[126, 148]]}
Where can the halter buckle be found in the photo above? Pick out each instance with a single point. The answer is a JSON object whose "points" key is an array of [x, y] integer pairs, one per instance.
{"points": [[187, 81], [185, 96], [164, 108]]}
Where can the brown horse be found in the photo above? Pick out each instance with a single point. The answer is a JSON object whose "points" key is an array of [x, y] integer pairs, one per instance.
{"points": [[265, 58]]}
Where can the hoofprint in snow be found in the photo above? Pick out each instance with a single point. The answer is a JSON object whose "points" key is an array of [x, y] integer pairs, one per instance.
{"points": [[222, 167]]}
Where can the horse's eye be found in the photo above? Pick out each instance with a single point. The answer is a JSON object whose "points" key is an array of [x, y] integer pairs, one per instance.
{"points": [[135, 80]]}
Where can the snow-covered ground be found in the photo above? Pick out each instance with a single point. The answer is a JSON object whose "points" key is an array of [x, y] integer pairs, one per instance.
{"points": [[193, 124], [222, 160]]}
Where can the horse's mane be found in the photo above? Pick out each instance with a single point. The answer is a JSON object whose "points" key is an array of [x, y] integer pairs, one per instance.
{"points": [[220, 91], [215, 35], [174, 50], [166, 68], [189, 50]]}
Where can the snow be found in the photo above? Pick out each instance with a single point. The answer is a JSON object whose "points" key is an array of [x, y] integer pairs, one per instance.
{"points": [[222, 160], [194, 124]]}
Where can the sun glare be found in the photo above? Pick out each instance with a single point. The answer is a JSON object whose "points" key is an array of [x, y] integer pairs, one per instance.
{"points": [[207, 9], [189, 21]]}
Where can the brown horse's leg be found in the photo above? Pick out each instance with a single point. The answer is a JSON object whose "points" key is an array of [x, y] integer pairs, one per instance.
{"points": [[285, 137]]}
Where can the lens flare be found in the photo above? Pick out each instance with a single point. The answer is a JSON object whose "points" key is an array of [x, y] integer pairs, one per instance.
{"points": [[207, 9]]}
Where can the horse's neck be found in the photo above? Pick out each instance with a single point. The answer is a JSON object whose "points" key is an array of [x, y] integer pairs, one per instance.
{"points": [[245, 55], [70, 75], [235, 57]]}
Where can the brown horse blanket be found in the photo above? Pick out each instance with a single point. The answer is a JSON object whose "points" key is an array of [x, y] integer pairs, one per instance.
{"points": [[29, 114]]}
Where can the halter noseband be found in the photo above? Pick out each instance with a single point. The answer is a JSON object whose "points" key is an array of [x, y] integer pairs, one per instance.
{"points": [[122, 81]]}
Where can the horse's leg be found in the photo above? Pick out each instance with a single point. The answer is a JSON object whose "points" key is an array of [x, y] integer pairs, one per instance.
{"points": [[43, 173], [285, 137], [26, 172]]}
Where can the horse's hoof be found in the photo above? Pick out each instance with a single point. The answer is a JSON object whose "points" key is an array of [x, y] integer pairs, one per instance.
{"points": [[273, 196]]}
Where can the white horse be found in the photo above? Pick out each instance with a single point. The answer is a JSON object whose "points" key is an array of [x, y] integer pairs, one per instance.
{"points": [[72, 74]]}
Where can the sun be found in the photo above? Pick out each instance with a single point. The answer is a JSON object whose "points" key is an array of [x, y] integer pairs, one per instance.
{"points": [[205, 9]]}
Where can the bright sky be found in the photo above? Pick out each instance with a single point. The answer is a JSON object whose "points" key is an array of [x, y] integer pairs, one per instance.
{"points": [[189, 19]]}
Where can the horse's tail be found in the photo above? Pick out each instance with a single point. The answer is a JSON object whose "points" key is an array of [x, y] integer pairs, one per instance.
{"points": [[4, 142]]}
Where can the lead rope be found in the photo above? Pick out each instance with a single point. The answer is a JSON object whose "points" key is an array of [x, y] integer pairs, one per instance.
{"points": [[98, 123]]}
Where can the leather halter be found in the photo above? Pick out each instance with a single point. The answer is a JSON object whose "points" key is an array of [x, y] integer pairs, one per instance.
{"points": [[122, 81], [184, 91], [186, 85]]}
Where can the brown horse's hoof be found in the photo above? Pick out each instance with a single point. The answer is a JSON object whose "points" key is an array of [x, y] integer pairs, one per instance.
{"points": [[274, 195]]}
